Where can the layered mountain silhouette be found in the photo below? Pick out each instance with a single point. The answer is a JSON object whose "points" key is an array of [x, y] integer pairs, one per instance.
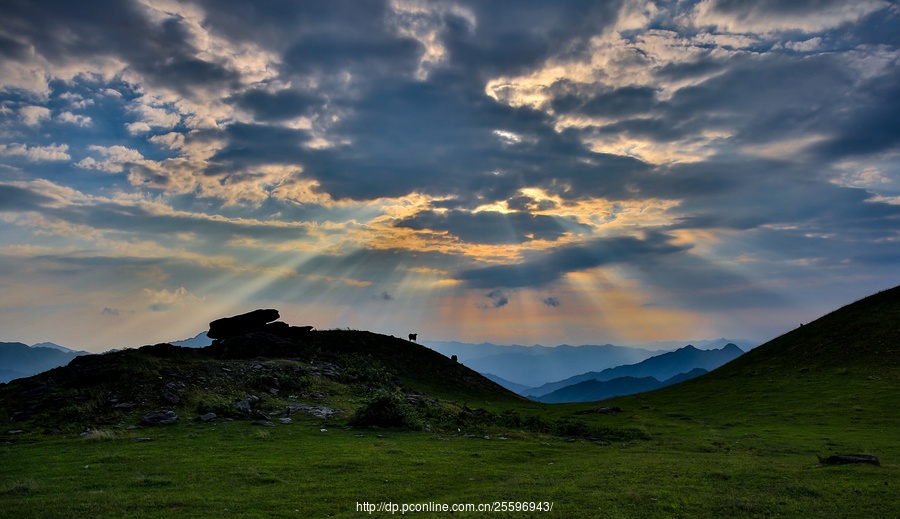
{"points": [[592, 390], [533, 366], [18, 360], [658, 371]]}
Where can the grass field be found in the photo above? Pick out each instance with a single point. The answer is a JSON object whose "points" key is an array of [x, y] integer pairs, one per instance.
{"points": [[692, 466], [742, 441]]}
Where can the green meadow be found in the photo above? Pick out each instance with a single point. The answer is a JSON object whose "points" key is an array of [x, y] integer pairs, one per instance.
{"points": [[742, 441]]}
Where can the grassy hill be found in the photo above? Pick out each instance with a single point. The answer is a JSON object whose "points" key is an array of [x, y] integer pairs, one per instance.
{"points": [[344, 368], [741, 441], [838, 371]]}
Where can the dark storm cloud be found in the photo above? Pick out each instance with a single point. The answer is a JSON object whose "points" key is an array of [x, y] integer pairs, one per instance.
{"points": [[499, 299], [756, 98], [773, 7], [543, 268], [620, 102], [510, 37], [16, 199], [492, 227], [163, 53], [766, 97], [275, 106], [112, 216], [526, 203], [873, 125], [377, 266], [435, 139], [255, 144], [552, 302], [405, 135]]}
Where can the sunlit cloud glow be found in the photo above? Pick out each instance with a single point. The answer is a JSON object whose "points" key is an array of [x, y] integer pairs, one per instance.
{"points": [[556, 172]]}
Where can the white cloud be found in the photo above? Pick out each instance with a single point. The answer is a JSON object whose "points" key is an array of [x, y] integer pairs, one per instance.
{"points": [[115, 158], [33, 115], [139, 127], [162, 300], [151, 115], [36, 153], [761, 17], [424, 21], [810, 45], [79, 120]]}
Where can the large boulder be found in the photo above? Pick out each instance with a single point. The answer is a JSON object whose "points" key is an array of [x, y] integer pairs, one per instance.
{"points": [[228, 327]]}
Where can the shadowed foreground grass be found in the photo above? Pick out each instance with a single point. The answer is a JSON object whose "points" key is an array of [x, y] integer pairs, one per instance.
{"points": [[689, 468]]}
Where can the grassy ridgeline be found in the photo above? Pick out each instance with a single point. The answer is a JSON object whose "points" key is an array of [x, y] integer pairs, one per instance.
{"points": [[739, 442]]}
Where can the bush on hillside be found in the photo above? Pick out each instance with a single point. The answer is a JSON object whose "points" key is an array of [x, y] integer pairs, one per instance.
{"points": [[388, 409]]}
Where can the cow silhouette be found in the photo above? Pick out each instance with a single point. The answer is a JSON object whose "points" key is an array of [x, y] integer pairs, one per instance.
{"points": [[413, 336]]}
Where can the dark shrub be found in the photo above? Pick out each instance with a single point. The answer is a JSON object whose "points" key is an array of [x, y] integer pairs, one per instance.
{"points": [[386, 409]]}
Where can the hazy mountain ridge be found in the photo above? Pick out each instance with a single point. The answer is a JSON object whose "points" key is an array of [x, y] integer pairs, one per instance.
{"points": [[534, 366], [593, 390], [20, 360], [660, 367], [198, 341]]}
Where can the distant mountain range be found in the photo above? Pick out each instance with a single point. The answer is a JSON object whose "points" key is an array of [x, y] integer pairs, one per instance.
{"points": [[18, 360], [198, 341], [660, 367], [655, 372], [593, 390], [534, 366]]}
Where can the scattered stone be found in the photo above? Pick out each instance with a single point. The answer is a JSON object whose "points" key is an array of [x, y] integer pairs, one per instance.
{"points": [[125, 405], [323, 430], [159, 418], [844, 459], [15, 431], [176, 386], [171, 398], [208, 417], [141, 440], [174, 374], [265, 423], [319, 411], [285, 420], [244, 407]]}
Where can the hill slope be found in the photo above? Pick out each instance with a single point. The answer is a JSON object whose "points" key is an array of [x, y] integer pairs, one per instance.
{"points": [[842, 370], [252, 375]]}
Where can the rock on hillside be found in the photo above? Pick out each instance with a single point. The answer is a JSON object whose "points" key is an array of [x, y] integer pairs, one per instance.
{"points": [[254, 370]]}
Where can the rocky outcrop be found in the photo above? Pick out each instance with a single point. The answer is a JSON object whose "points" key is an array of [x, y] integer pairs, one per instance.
{"points": [[228, 327], [254, 334]]}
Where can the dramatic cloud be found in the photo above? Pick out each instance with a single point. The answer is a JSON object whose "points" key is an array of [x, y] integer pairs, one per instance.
{"points": [[568, 171]]}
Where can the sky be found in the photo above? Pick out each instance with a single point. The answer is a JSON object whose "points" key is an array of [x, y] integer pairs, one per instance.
{"points": [[517, 172]]}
